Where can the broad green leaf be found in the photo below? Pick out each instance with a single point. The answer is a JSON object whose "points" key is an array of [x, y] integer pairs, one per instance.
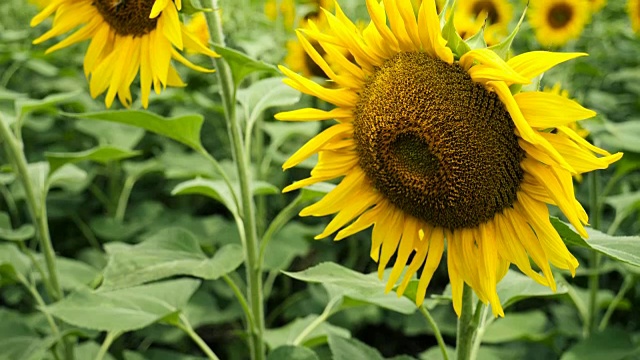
{"points": [[241, 65], [622, 135], [25, 106], [219, 191], [622, 248], [19, 341], [215, 189], [287, 334], [89, 350], [126, 309], [289, 352], [69, 177], [12, 262], [24, 232], [352, 349], [170, 252], [611, 344], [264, 94], [183, 165], [366, 288], [625, 204], [111, 133], [99, 154], [516, 326], [139, 218], [73, 274], [184, 129], [516, 286]]}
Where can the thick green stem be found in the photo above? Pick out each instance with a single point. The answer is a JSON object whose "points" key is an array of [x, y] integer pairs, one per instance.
{"points": [[250, 243], [436, 331], [466, 326], [36, 203]]}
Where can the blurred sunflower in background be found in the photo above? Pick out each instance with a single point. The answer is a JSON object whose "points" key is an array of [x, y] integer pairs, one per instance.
{"points": [[471, 15], [127, 37], [633, 8], [432, 146], [285, 8], [555, 22], [596, 5]]}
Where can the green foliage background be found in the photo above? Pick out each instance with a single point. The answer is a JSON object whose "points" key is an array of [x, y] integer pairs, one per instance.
{"points": [[148, 251]]}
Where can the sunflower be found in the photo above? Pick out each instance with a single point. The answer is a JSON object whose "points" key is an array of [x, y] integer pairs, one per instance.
{"points": [[286, 8], [433, 148], [596, 5], [126, 37], [557, 21], [197, 26], [497, 12], [633, 8]]}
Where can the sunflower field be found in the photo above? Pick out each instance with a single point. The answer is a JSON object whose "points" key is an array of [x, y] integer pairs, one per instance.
{"points": [[319, 179]]}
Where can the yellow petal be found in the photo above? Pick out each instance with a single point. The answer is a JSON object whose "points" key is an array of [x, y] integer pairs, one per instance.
{"points": [[546, 110], [314, 145], [430, 35], [534, 63]]}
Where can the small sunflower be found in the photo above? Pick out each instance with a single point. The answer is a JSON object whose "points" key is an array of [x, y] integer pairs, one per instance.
{"points": [[497, 12], [433, 147], [633, 8], [557, 21], [126, 37]]}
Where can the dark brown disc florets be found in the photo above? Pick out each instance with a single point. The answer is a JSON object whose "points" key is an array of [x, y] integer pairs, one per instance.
{"points": [[439, 146], [127, 17]]}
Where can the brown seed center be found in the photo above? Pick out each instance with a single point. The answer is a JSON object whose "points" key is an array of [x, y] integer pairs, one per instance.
{"points": [[560, 15], [127, 17], [437, 145]]}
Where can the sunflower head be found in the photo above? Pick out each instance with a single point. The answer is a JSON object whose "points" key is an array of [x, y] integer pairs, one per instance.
{"points": [[557, 21], [127, 37], [435, 145]]}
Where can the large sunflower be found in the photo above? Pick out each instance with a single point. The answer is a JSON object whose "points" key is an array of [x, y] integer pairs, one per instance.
{"points": [[633, 8], [126, 37], [557, 21], [434, 147]]}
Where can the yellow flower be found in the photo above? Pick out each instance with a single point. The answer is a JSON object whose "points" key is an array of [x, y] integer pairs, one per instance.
{"points": [[198, 26], [557, 21], [286, 8], [470, 16], [633, 8], [433, 148], [126, 37], [596, 5]]}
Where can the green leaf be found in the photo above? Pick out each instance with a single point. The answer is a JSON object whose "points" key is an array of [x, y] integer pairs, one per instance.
{"points": [[89, 350], [434, 353], [366, 288], [24, 232], [127, 309], [73, 274], [19, 341], [516, 286], [214, 189], [264, 94], [621, 248], [241, 65], [289, 352], [291, 241], [516, 326], [287, 334], [68, 176], [25, 106], [158, 354], [111, 133], [611, 344], [477, 40], [219, 191], [138, 169], [99, 154], [625, 204], [184, 129], [622, 135], [170, 252], [352, 349], [12, 262]]}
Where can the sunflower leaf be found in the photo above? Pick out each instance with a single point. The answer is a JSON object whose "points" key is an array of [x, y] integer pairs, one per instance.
{"points": [[621, 248], [184, 129], [99, 154], [241, 65], [25, 232]]}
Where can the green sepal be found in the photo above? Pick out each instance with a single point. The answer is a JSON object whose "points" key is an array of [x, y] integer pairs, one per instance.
{"points": [[503, 49], [477, 40], [191, 7], [454, 41]]}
